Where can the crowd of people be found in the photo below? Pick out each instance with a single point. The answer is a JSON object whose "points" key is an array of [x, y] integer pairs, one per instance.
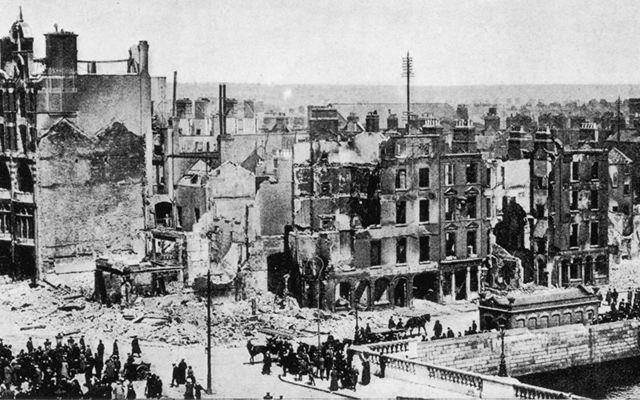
{"points": [[50, 371], [332, 361], [620, 310]]}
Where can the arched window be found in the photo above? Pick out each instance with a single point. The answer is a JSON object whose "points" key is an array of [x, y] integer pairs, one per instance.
{"points": [[25, 179], [5, 177]]}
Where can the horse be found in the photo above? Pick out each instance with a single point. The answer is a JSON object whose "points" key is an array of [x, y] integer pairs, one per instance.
{"points": [[417, 322], [255, 350]]}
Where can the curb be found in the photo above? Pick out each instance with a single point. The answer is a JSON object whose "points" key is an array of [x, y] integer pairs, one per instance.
{"points": [[317, 388]]}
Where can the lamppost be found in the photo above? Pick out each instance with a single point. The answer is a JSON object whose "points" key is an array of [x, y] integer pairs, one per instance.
{"points": [[316, 266], [502, 371], [209, 389]]}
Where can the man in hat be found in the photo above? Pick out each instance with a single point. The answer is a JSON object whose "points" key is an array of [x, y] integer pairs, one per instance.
{"points": [[135, 346]]}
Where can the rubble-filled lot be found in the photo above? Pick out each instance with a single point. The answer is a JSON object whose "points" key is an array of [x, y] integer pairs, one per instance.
{"points": [[61, 304]]}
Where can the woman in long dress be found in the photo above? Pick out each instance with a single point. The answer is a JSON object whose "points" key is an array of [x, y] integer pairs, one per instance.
{"points": [[334, 380]]}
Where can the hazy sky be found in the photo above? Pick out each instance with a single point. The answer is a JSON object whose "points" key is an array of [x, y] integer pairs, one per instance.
{"points": [[352, 41]]}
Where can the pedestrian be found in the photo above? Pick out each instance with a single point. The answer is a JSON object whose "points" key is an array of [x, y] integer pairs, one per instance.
{"points": [[333, 386], [608, 296], [30, 345], [399, 325], [383, 365], [354, 378], [131, 393], [266, 364], [368, 330], [268, 396], [450, 333], [188, 390], [198, 391], [82, 344], [100, 350], [182, 367], [366, 371], [190, 374], [135, 346], [115, 352], [392, 324], [474, 327], [437, 329], [614, 295], [118, 391], [175, 377]]}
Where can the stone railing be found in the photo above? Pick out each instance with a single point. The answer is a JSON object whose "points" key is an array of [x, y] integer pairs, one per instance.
{"points": [[450, 379], [396, 346], [523, 391]]}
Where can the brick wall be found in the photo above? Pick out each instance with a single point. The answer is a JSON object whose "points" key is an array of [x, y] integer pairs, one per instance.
{"points": [[537, 350]]}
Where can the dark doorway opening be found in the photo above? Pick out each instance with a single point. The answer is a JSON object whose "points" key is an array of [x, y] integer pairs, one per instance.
{"points": [[425, 286], [400, 293]]}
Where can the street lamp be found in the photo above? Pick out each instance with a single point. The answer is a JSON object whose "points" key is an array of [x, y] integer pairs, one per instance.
{"points": [[315, 267], [502, 371], [209, 389]]}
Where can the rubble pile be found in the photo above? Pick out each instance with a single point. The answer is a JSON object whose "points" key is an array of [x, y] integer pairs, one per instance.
{"points": [[179, 318]]}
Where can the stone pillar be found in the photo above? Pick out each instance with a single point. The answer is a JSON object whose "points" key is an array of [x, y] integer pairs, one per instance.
{"points": [[582, 271], [479, 273], [559, 275], [440, 290], [453, 285], [468, 283]]}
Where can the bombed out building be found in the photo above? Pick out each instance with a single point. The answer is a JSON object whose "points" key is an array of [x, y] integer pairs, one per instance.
{"points": [[18, 90], [570, 195], [386, 218], [75, 150]]}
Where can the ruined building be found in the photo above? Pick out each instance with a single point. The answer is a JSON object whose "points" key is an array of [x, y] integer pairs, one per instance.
{"points": [[570, 195], [77, 150], [18, 210], [380, 220]]}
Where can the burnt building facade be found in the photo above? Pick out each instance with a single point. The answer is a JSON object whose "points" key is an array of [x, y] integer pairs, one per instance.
{"points": [[387, 218], [18, 208], [570, 196], [75, 152]]}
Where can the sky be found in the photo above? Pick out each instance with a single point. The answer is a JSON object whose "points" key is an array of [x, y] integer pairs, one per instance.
{"points": [[355, 42]]}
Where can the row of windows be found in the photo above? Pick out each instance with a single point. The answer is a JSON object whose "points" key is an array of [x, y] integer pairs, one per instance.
{"points": [[471, 175], [593, 199], [24, 222], [425, 248], [594, 236], [575, 171], [466, 208]]}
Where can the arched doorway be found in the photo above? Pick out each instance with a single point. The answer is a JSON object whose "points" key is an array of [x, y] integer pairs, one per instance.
{"points": [[425, 286], [576, 268], [25, 179], [164, 214], [381, 292], [362, 295], [400, 293], [342, 297]]}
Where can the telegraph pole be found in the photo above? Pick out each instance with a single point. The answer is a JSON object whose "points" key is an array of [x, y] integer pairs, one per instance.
{"points": [[618, 119], [209, 389], [407, 72]]}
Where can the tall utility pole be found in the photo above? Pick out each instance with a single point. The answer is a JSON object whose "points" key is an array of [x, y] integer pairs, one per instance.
{"points": [[209, 389], [618, 119], [407, 72]]}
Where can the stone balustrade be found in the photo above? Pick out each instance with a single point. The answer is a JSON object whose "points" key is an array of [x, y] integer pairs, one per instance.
{"points": [[467, 383]]}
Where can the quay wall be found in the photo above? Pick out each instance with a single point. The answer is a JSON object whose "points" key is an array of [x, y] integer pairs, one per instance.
{"points": [[532, 351]]}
